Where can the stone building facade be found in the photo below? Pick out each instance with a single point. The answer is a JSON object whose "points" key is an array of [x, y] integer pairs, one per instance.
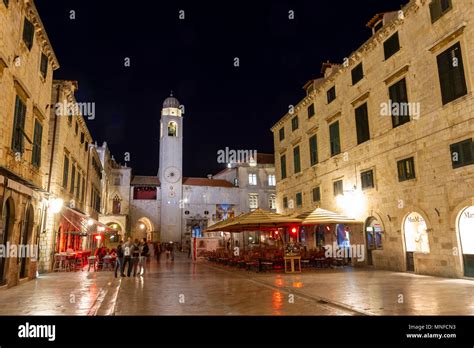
{"points": [[74, 176], [386, 137], [27, 62], [115, 184]]}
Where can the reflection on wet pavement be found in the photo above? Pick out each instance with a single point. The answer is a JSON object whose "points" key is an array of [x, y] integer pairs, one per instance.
{"points": [[185, 288]]}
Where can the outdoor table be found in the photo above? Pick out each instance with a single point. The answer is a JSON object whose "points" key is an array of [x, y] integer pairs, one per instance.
{"points": [[91, 260], [290, 261]]}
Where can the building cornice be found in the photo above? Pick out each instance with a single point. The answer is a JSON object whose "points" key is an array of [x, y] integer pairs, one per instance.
{"points": [[355, 57], [35, 18]]}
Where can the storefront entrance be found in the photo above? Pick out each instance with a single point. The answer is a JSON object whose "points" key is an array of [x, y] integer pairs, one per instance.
{"points": [[373, 237], [416, 238], [5, 231], [26, 238], [466, 235]]}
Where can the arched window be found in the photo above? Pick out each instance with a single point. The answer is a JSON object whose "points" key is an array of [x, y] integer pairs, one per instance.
{"points": [[172, 129], [116, 206]]}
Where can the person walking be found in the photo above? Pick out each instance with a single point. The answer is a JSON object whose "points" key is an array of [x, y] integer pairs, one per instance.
{"points": [[119, 258], [127, 257], [143, 253], [135, 256]]}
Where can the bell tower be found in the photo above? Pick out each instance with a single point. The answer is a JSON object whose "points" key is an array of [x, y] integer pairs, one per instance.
{"points": [[170, 169]]}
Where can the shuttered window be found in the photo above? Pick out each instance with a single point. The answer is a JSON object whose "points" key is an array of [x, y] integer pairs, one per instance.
{"points": [[19, 126], [399, 103], [283, 166], [406, 169], [299, 199], [451, 74], [335, 142], [311, 111], [313, 150], [282, 133], [391, 46], [438, 8], [357, 74], [317, 194], [296, 159], [37, 139], [462, 153], [44, 65], [362, 124], [331, 94], [367, 179], [73, 179], [28, 33], [294, 123], [65, 171]]}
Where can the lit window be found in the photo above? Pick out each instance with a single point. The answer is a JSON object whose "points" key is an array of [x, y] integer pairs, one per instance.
{"points": [[253, 201], [172, 129], [271, 180], [272, 202], [252, 179]]}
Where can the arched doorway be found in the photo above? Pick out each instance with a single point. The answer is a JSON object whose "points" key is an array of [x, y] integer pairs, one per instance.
{"points": [[466, 237], [25, 239], [8, 219], [373, 237], [113, 237], [416, 238]]}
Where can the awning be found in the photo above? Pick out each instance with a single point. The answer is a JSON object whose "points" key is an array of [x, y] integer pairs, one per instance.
{"points": [[322, 216], [80, 222], [258, 219]]}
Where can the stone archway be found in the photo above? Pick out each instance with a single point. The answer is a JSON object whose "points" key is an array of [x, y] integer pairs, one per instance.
{"points": [[144, 227], [415, 236], [465, 233]]}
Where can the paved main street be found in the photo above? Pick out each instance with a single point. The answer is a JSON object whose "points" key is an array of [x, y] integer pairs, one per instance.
{"points": [[184, 288]]}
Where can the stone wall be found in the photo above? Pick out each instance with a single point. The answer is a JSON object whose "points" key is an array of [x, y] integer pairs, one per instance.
{"points": [[438, 191]]}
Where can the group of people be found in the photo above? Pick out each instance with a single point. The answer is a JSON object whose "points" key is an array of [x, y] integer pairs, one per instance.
{"points": [[134, 254]]}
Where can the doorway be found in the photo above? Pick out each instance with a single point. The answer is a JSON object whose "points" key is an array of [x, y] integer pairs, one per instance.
{"points": [[373, 237], [8, 217], [25, 240], [416, 238], [466, 236]]}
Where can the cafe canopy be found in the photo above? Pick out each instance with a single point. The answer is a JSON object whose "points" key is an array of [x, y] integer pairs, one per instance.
{"points": [[321, 216], [257, 219]]}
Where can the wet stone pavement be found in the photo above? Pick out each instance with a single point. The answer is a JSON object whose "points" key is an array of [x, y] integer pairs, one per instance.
{"points": [[185, 288]]}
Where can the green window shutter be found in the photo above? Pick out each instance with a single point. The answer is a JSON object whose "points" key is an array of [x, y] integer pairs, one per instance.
{"points": [[296, 159], [313, 150], [283, 166], [65, 171], [28, 33], [451, 74], [334, 138], [18, 126], [362, 124], [37, 139], [391, 46]]}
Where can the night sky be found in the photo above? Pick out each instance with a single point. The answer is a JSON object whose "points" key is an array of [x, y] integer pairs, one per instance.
{"points": [[194, 57]]}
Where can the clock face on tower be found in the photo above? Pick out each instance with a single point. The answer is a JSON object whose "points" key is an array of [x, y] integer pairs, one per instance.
{"points": [[172, 174]]}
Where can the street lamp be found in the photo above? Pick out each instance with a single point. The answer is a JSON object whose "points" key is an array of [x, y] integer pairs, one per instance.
{"points": [[56, 205]]}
